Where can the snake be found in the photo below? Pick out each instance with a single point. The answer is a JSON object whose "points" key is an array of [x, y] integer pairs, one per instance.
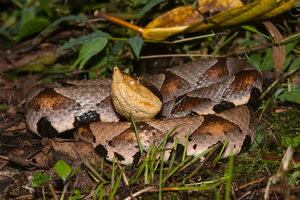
{"points": [[198, 105]]}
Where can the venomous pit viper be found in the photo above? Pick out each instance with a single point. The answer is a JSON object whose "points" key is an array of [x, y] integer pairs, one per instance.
{"points": [[205, 99]]}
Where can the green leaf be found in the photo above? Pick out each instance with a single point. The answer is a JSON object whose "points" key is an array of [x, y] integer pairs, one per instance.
{"points": [[297, 139], [39, 179], [45, 7], [136, 44], [297, 5], [268, 64], [62, 169], [148, 7], [32, 26], [9, 20], [75, 172], [102, 61], [259, 137], [90, 49], [288, 140], [28, 13], [2, 107], [67, 18], [294, 143], [293, 96], [255, 59], [290, 45], [295, 64], [38, 67], [253, 29], [117, 47], [83, 39], [287, 62], [248, 43], [77, 195], [294, 176]]}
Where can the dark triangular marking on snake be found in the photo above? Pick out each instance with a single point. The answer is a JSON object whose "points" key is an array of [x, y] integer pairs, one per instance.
{"points": [[119, 157], [254, 95], [178, 152], [136, 159], [45, 128], [101, 150], [223, 105], [91, 116], [246, 144]]}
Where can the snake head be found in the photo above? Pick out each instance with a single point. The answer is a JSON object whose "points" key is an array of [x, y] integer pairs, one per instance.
{"points": [[134, 96]]}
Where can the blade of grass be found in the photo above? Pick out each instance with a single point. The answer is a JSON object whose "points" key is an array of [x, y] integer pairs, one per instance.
{"points": [[94, 173], [112, 180], [100, 190], [150, 157], [176, 168], [138, 173], [172, 159], [185, 146], [214, 148], [137, 135], [112, 194], [230, 172], [220, 154], [197, 157], [162, 164]]}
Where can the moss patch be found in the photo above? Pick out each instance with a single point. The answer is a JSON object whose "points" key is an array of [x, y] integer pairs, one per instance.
{"points": [[286, 128]]}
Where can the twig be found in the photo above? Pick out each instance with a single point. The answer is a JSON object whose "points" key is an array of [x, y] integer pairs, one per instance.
{"points": [[176, 55], [9, 126], [52, 191], [139, 192]]}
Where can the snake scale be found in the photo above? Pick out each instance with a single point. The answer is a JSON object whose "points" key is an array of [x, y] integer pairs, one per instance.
{"points": [[205, 99]]}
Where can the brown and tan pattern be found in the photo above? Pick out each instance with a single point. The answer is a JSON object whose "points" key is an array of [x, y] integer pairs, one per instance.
{"points": [[204, 99]]}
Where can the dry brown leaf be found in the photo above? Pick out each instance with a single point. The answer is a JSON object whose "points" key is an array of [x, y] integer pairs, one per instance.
{"points": [[278, 50], [14, 92]]}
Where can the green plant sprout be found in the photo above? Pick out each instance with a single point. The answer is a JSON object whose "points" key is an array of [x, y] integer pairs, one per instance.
{"points": [[40, 179]]}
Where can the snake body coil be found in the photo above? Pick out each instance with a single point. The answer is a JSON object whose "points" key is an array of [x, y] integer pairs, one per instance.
{"points": [[204, 99]]}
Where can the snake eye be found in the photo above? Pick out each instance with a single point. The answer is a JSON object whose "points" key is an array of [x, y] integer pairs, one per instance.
{"points": [[139, 81]]}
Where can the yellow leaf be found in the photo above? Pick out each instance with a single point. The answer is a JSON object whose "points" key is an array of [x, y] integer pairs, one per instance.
{"points": [[235, 16], [180, 16], [188, 19], [187, 15], [281, 7], [218, 5]]}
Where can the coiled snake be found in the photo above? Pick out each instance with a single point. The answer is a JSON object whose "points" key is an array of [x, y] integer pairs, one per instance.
{"points": [[204, 99]]}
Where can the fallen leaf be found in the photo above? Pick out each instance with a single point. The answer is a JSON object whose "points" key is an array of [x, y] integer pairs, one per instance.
{"points": [[218, 5], [187, 19], [180, 16], [281, 7], [187, 15], [278, 49], [14, 92]]}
